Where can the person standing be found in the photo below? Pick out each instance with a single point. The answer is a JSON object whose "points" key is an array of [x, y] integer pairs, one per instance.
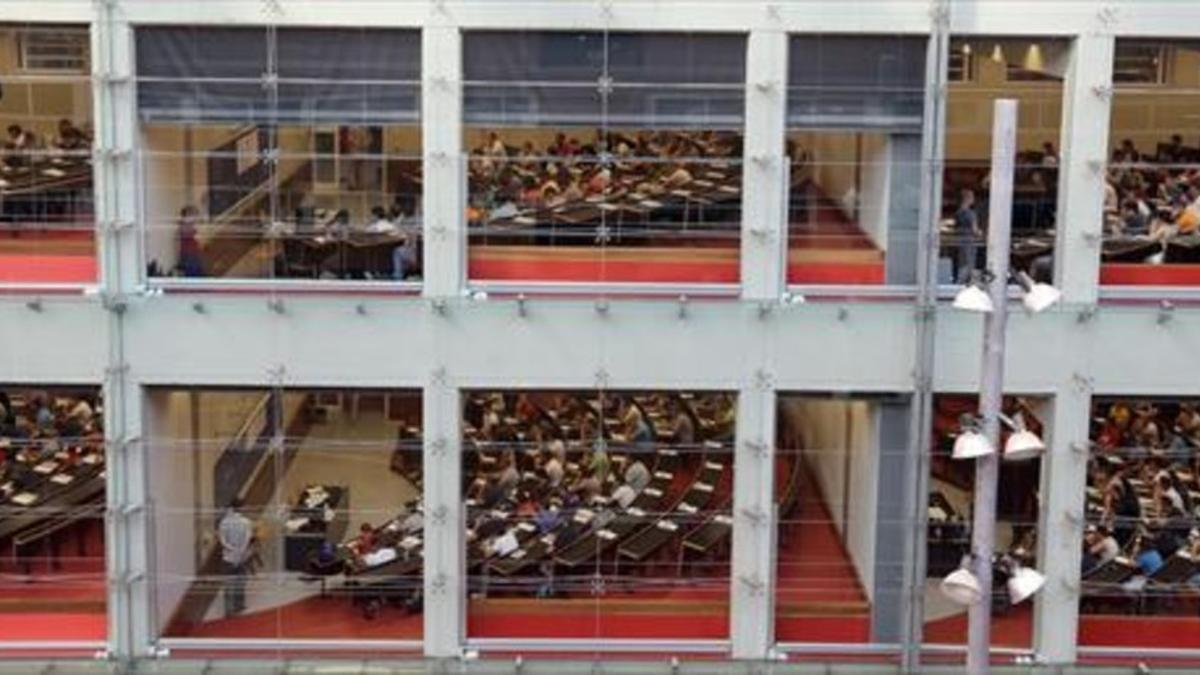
{"points": [[966, 226], [236, 533]]}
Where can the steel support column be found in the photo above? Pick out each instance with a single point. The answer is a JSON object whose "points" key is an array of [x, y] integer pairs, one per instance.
{"points": [[1087, 105], [765, 168], [443, 198], [752, 592]]}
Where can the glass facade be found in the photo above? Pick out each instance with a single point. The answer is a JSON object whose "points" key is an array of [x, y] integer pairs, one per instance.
{"points": [[1152, 186], [610, 511], [287, 514], [267, 157], [46, 214], [603, 157], [52, 514], [639, 234]]}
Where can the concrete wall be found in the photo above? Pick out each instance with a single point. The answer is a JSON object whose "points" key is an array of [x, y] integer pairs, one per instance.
{"points": [[840, 448]]}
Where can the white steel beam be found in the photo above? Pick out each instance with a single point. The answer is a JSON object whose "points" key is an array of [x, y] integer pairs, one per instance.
{"points": [[444, 573], [752, 576], [1060, 524], [1087, 105], [764, 171], [444, 180]]}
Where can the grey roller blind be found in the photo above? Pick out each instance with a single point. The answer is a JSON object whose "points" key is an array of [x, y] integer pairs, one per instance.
{"points": [[856, 81], [593, 79], [201, 74]]}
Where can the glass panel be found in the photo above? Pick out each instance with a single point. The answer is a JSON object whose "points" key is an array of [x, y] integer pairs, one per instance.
{"points": [[853, 140], [841, 525], [1141, 540], [604, 157], [951, 499], [311, 171], [1152, 195], [1030, 71], [610, 512], [52, 512], [46, 205], [293, 515]]}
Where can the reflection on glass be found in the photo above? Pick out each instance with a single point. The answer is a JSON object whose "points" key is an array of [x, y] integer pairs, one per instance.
{"points": [[46, 205], [292, 514], [1152, 191], [1141, 540], [598, 514], [984, 70], [52, 507]]}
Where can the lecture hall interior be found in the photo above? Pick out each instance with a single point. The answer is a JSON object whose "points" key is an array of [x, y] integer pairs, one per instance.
{"points": [[510, 330]]}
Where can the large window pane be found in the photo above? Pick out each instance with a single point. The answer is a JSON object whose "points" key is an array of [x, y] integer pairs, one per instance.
{"points": [[52, 511], [951, 500], [839, 494], [1030, 71], [46, 208], [598, 514], [854, 148], [293, 514], [281, 154], [1141, 539], [1152, 192], [598, 157]]}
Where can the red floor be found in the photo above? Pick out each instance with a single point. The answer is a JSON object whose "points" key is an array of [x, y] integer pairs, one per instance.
{"points": [[48, 257], [819, 598], [63, 602]]}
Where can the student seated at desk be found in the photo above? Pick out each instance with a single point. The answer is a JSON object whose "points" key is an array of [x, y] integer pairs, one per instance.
{"points": [[366, 541], [1099, 547]]}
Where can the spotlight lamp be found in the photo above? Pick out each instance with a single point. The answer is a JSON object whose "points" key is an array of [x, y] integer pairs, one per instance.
{"points": [[972, 298], [962, 586], [1023, 583], [1038, 296], [971, 444], [1022, 443]]}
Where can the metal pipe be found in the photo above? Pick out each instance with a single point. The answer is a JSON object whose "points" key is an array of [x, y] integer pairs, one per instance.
{"points": [[991, 390]]}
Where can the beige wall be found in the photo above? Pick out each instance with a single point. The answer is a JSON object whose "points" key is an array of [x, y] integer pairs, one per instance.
{"points": [[37, 101], [969, 111], [839, 442], [1149, 115]]}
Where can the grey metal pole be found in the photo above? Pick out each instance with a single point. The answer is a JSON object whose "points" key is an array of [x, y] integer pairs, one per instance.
{"points": [[991, 390]]}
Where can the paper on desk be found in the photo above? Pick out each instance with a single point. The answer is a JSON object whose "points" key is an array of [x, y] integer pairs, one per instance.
{"points": [[410, 542], [606, 535], [294, 524], [54, 173], [24, 499], [936, 513], [61, 479], [380, 557], [46, 467], [90, 459], [667, 525]]}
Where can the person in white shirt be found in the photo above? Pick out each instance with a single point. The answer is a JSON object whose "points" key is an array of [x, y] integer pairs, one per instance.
{"points": [[624, 496], [236, 534], [554, 471], [637, 476]]}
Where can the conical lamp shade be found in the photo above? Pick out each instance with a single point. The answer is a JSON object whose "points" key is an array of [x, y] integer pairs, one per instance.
{"points": [[973, 299], [962, 587], [1041, 297], [1023, 445], [1024, 583], [971, 444]]}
